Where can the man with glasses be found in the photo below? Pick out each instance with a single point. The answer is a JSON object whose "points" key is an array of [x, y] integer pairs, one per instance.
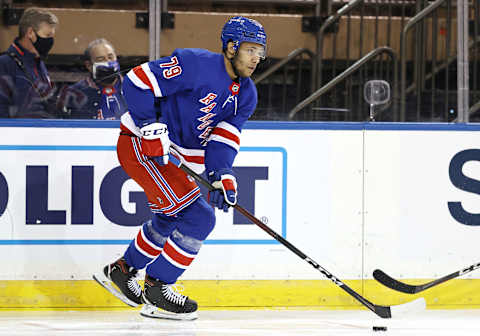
{"points": [[25, 87], [192, 105]]}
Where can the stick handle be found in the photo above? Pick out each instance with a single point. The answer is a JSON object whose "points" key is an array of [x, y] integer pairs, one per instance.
{"points": [[381, 311], [242, 210]]}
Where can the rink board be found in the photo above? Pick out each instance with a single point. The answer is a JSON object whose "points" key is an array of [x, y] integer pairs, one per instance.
{"points": [[352, 196], [237, 294]]}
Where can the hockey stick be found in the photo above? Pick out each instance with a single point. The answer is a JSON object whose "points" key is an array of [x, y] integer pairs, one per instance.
{"points": [[382, 311], [394, 284]]}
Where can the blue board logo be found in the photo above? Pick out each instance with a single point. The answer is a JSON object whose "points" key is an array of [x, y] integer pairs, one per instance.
{"points": [[82, 196], [463, 182]]}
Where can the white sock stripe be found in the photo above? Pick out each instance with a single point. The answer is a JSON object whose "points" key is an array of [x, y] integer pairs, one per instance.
{"points": [[173, 262], [145, 253], [151, 244], [179, 250]]}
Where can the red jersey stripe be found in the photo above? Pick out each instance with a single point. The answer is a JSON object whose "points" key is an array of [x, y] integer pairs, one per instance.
{"points": [[142, 76], [226, 134]]}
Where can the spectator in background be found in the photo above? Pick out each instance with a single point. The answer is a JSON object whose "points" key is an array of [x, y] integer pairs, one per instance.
{"points": [[25, 87], [100, 95]]}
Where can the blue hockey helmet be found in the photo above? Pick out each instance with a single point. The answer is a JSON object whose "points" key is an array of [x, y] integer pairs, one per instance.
{"points": [[241, 29]]}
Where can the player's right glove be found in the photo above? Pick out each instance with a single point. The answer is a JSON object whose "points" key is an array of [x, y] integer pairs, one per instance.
{"points": [[155, 142], [225, 193]]}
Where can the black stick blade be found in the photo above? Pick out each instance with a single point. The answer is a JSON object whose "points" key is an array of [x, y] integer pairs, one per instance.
{"points": [[382, 311], [390, 282]]}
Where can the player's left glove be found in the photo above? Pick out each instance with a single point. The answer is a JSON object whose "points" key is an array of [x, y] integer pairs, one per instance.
{"points": [[225, 193], [155, 142]]}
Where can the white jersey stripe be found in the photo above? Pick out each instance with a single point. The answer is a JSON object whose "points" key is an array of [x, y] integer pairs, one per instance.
{"points": [[137, 81], [127, 121], [184, 153], [219, 138], [156, 89], [188, 151], [229, 127]]}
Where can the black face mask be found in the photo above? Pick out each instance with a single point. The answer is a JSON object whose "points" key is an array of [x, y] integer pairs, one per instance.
{"points": [[105, 72], [43, 45]]}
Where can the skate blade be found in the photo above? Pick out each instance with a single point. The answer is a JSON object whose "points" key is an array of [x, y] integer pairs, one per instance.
{"points": [[154, 312], [107, 284]]}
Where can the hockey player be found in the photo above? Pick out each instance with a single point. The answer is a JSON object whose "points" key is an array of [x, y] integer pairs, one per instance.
{"points": [[191, 105]]}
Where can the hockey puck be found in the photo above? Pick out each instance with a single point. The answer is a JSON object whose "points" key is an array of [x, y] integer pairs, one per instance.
{"points": [[377, 328]]}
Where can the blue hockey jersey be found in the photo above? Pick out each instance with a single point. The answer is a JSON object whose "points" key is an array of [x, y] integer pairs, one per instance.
{"points": [[192, 93]]}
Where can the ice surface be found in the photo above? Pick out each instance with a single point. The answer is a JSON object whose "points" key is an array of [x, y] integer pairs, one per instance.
{"points": [[240, 322]]}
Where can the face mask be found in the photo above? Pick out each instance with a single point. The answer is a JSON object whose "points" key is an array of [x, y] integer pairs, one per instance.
{"points": [[43, 45], [105, 72]]}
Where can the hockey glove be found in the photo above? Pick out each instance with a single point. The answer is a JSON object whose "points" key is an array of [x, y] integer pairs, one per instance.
{"points": [[225, 193], [155, 142]]}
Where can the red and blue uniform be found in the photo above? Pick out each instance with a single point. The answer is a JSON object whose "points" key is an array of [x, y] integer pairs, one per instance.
{"points": [[203, 108], [192, 93]]}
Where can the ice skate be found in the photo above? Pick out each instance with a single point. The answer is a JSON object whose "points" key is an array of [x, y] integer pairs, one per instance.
{"points": [[120, 279], [162, 301]]}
